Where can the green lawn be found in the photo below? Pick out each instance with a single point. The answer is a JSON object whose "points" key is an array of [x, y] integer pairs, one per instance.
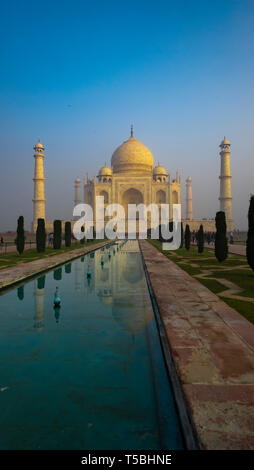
{"points": [[245, 308], [12, 259], [194, 263], [242, 278]]}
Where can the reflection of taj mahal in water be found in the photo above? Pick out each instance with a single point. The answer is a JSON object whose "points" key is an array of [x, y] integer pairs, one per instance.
{"points": [[120, 278], [132, 178]]}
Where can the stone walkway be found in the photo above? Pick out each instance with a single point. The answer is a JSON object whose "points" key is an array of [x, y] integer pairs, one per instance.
{"points": [[13, 248], [22, 271], [213, 349], [234, 249]]}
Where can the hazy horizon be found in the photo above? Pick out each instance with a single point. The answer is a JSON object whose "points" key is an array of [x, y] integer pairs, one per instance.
{"points": [[77, 75]]}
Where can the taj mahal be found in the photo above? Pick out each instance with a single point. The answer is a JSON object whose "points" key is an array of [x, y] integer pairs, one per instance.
{"points": [[133, 178]]}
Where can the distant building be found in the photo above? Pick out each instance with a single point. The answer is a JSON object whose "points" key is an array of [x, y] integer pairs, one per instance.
{"points": [[132, 178]]}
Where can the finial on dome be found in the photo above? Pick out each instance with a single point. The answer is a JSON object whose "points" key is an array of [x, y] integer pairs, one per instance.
{"points": [[39, 145], [132, 130]]}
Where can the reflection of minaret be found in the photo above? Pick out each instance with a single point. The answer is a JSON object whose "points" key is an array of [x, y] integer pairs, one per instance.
{"points": [[78, 274], [225, 183], [189, 214], [38, 307], [39, 196]]}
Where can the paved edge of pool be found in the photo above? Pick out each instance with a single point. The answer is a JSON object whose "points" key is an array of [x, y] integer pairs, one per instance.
{"points": [[189, 433], [212, 349], [15, 275]]}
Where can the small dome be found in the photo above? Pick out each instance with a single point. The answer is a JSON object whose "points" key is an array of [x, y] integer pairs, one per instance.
{"points": [[132, 157], [77, 180], [105, 171], [38, 145], [159, 170], [189, 179], [225, 141]]}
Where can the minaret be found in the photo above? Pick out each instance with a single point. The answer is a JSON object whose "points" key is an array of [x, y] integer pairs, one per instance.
{"points": [[39, 195], [77, 198], [189, 214], [225, 183]]}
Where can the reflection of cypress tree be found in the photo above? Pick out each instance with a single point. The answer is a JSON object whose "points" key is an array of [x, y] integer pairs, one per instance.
{"points": [[67, 268], [58, 274], [41, 282], [20, 292]]}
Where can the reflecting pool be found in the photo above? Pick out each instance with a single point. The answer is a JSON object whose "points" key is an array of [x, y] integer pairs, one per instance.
{"points": [[90, 373]]}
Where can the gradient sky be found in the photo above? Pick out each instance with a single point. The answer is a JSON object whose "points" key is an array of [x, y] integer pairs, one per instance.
{"points": [[76, 74]]}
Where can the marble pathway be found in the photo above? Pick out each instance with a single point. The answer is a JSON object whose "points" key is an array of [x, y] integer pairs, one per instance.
{"points": [[213, 349]]}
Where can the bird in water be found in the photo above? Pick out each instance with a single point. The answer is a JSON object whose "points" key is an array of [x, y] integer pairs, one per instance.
{"points": [[57, 300]]}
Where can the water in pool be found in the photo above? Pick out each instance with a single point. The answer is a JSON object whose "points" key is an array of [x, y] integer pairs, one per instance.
{"points": [[90, 374]]}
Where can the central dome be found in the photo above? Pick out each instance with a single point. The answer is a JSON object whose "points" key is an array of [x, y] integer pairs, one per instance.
{"points": [[132, 157]]}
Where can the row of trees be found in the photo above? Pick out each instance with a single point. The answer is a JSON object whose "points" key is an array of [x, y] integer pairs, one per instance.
{"points": [[200, 238], [221, 242], [41, 235], [250, 236]]}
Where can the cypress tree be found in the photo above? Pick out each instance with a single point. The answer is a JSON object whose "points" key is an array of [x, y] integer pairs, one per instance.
{"points": [[221, 242], [20, 240], [187, 237], [201, 239], [67, 268], [67, 236], [40, 236], [57, 240], [250, 236], [82, 239], [182, 235]]}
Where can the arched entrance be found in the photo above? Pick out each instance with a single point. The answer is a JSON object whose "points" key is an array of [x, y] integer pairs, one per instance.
{"points": [[131, 196], [175, 197], [160, 197], [105, 195]]}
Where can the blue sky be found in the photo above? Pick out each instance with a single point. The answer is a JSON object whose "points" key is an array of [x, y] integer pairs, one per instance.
{"points": [[77, 74]]}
